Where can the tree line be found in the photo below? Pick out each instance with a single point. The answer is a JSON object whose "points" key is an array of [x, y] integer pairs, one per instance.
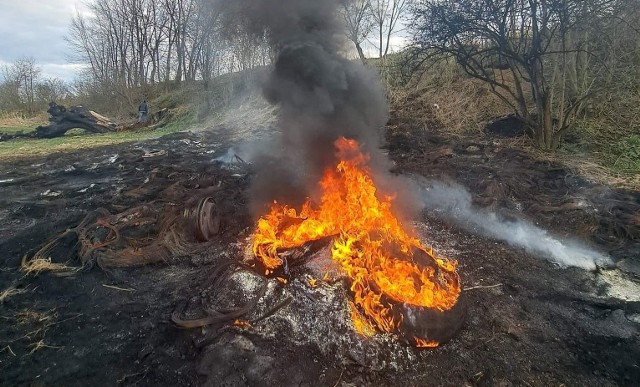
{"points": [[374, 22], [138, 42], [23, 89], [552, 62], [131, 47]]}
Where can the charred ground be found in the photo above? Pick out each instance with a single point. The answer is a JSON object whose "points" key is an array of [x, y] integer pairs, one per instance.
{"points": [[528, 321]]}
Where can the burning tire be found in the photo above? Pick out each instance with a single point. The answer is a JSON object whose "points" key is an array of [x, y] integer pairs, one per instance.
{"points": [[422, 326], [398, 285]]}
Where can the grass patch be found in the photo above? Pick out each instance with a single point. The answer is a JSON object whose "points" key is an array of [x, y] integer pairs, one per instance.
{"points": [[13, 123], [39, 345], [611, 149], [627, 155], [39, 265], [26, 317], [76, 132], [10, 292], [21, 148]]}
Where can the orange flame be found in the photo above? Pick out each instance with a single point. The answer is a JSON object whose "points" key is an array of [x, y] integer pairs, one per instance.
{"points": [[243, 324], [422, 343], [360, 323], [385, 264]]}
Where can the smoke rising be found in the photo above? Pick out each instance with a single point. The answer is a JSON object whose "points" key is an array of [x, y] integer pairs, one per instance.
{"points": [[320, 95], [454, 202]]}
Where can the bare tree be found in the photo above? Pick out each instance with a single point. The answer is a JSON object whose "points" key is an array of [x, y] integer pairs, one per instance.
{"points": [[358, 22], [522, 49], [51, 90], [129, 45], [22, 90], [386, 14], [21, 78]]}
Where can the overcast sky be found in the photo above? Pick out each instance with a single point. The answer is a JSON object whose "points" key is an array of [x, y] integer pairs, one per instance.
{"points": [[36, 28]]}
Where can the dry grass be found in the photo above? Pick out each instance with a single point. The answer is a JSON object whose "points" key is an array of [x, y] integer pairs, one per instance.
{"points": [[36, 324], [245, 115], [459, 106], [595, 171], [581, 164], [13, 123], [445, 99], [39, 265], [465, 106], [39, 345], [27, 317], [10, 292]]}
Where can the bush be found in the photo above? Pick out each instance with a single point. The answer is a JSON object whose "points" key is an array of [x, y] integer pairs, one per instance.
{"points": [[628, 155]]}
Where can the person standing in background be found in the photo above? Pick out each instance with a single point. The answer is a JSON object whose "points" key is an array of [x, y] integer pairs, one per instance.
{"points": [[143, 111]]}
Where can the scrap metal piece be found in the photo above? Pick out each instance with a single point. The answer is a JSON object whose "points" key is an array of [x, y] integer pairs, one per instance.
{"points": [[207, 220]]}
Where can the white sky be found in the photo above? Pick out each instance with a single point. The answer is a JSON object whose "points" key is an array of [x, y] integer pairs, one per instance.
{"points": [[36, 28]]}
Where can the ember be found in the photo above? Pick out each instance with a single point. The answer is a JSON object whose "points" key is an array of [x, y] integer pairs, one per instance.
{"points": [[389, 269]]}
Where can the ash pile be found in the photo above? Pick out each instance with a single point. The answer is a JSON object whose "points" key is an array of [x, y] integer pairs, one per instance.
{"points": [[287, 332]]}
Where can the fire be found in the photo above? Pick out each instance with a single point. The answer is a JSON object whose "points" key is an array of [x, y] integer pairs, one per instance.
{"points": [[360, 323], [243, 324], [422, 343], [387, 266]]}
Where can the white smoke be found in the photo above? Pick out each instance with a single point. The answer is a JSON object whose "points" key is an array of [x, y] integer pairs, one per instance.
{"points": [[454, 202]]}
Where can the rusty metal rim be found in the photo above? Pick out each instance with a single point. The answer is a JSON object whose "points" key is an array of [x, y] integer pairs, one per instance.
{"points": [[207, 220]]}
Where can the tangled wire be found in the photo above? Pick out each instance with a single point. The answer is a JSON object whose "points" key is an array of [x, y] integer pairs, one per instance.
{"points": [[142, 235]]}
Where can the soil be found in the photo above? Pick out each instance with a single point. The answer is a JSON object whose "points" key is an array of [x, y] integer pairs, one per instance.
{"points": [[529, 322]]}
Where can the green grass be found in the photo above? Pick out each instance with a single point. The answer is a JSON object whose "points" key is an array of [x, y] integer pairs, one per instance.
{"points": [[75, 140], [616, 148], [16, 129], [625, 155]]}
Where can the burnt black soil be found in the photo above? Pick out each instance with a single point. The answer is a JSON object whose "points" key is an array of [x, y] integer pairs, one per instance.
{"points": [[528, 322]]}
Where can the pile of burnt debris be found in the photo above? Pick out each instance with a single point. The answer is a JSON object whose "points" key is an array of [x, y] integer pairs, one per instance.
{"points": [[186, 203], [178, 214], [214, 318]]}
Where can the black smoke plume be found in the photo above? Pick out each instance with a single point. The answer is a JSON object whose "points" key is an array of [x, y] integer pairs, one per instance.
{"points": [[320, 94]]}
